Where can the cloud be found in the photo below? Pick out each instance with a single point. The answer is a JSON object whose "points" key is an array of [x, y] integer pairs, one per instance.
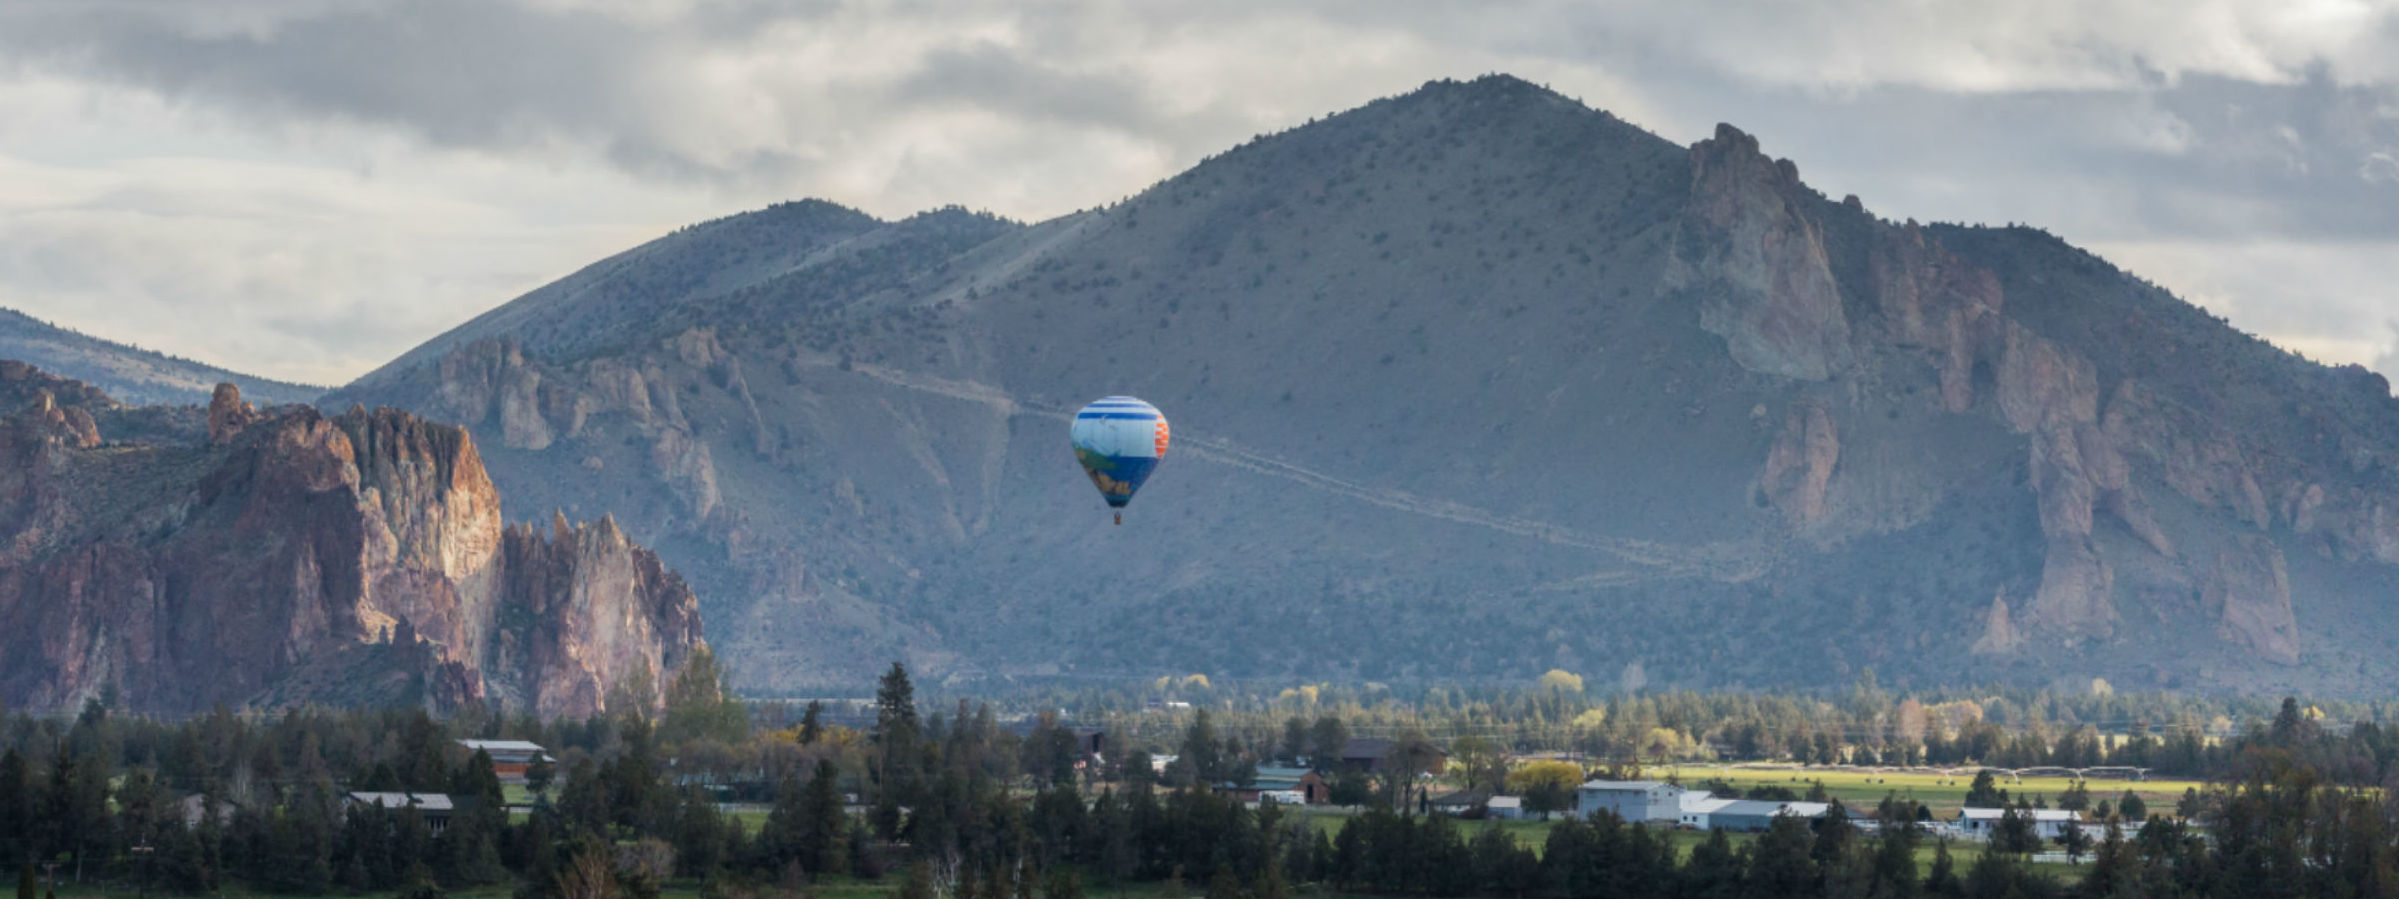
{"points": [[331, 180], [2388, 362]]}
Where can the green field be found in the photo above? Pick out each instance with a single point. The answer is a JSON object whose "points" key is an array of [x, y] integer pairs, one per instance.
{"points": [[1945, 795], [1533, 834]]}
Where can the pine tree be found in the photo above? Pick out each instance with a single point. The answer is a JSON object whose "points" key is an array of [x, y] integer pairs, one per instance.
{"points": [[919, 884], [2132, 809], [822, 814], [1942, 882], [812, 723]]}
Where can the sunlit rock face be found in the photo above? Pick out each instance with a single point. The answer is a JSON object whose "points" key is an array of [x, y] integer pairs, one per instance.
{"points": [[281, 556]]}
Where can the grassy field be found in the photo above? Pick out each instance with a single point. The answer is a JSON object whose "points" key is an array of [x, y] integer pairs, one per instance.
{"points": [[1533, 834], [1945, 795]]}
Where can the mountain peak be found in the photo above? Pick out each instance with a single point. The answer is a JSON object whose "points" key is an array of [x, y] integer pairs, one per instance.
{"points": [[1631, 390]]}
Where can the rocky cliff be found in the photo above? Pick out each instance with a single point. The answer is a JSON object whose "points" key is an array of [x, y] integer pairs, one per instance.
{"points": [[281, 557], [1472, 382]]}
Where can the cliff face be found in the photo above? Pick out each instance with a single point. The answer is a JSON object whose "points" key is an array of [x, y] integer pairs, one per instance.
{"points": [[290, 557], [1477, 353]]}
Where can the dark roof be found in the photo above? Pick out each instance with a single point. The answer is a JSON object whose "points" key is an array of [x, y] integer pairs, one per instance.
{"points": [[1365, 748], [1373, 748], [1461, 799]]}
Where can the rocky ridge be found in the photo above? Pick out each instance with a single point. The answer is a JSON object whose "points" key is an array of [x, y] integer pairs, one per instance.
{"points": [[1634, 391], [285, 557]]}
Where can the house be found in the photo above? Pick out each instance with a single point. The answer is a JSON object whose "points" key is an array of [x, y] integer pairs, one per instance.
{"points": [[1309, 785], [1506, 808], [1697, 806], [1754, 815], [510, 758], [1460, 804], [1634, 801], [1369, 753], [2048, 823], [435, 808]]}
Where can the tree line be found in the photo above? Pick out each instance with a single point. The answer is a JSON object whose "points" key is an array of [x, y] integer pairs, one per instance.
{"points": [[958, 804]]}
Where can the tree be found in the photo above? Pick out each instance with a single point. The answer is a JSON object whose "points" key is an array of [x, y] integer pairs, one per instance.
{"points": [[2015, 833], [896, 732], [539, 773], [1781, 863], [2075, 841], [1547, 785], [919, 884], [1202, 755], [1478, 764], [1561, 681], [2132, 808], [16, 806], [699, 704], [823, 833], [1985, 793], [812, 723], [1327, 740], [2076, 798], [590, 873], [1409, 757], [1942, 881], [1295, 741]]}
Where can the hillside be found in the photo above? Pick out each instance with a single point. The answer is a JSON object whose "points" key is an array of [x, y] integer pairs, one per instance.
{"points": [[131, 374], [1468, 383], [185, 558]]}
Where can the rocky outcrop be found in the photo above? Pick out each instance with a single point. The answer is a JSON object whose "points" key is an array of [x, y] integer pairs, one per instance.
{"points": [[298, 558], [2250, 592], [1933, 301], [1999, 634], [1799, 468], [578, 639], [533, 406], [1758, 262]]}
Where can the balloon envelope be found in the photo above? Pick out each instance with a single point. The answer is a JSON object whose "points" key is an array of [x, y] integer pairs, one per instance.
{"points": [[1119, 440]]}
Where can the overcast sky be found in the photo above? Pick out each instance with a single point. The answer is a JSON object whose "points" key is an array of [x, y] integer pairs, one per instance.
{"points": [[305, 188]]}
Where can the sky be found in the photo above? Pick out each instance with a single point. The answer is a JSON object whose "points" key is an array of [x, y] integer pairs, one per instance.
{"points": [[303, 189]]}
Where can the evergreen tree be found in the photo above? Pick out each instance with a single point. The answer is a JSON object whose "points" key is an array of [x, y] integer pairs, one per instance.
{"points": [[919, 884], [539, 773], [898, 756], [1202, 755], [822, 837], [784, 838], [1780, 861], [1985, 792], [2132, 809], [16, 807], [1326, 741], [1714, 870], [812, 723]]}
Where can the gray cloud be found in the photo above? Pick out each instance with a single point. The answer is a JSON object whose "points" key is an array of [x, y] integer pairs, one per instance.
{"points": [[2247, 156]]}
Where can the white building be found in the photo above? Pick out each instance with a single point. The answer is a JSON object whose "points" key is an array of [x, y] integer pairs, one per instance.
{"points": [[1635, 801], [1696, 807], [1506, 808], [2048, 823]]}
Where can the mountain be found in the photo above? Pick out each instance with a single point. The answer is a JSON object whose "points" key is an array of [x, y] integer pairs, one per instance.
{"points": [[130, 374], [1468, 383], [283, 557]]}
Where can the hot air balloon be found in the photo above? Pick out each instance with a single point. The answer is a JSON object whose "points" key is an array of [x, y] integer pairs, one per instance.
{"points": [[1119, 440]]}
